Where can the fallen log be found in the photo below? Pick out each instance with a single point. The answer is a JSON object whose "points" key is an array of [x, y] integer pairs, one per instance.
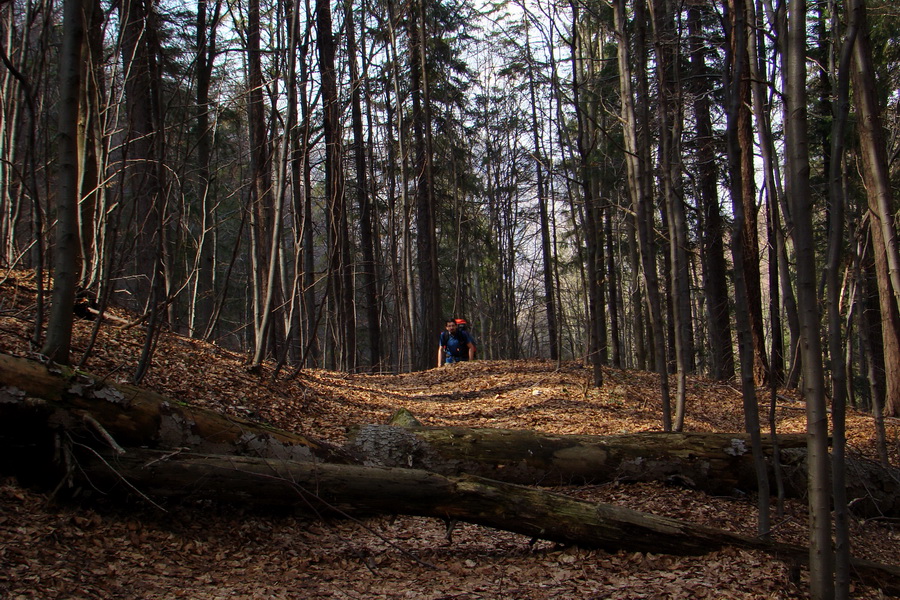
{"points": [[873, 490], [719, 463], [76, 407], [320, 488], [35, 396], [37, 400]]}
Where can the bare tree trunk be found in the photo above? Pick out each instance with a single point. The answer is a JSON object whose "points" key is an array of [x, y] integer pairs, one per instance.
{"points": [[339, 271], [263, 229], [66, 259], [797, 154], [92, 193], [833, 300], [772, 175], [204, 287], [777, 22], [750, 236], [584, 142], [884, 231], [143, 189], [426, 242], [718, 463], [303, 200], [546, 248], [666, 43], [737, 92], [615, 291], [637, 159], [405, 289], [773, 188], [367, 275], [326, 489]]}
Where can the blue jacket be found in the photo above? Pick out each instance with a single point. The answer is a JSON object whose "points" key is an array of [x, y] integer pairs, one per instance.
{"points": [[456, 346]]}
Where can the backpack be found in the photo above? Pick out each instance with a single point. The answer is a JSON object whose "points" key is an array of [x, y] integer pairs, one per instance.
{"points": [[463, 328]]}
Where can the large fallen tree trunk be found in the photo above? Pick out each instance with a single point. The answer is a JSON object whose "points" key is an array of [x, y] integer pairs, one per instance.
{"points": [[37, 399], [68, 405], [715, 462], [34, 395], [328, 488]]}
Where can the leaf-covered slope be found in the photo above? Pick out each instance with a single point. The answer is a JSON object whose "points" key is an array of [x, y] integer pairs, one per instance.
{"points": [[51, 551]]}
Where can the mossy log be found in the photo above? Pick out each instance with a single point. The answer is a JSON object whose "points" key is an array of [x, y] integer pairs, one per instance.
{"points": [[720, 463], [717, 463], [323, 489], [95, 427], [37, 399]]}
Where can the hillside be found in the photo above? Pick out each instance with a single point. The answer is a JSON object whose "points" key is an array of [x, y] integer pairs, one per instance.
{"points": [[95, 549]]}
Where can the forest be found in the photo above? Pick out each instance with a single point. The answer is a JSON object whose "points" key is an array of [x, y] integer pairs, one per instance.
{"points": [[322, 185], [698, 189]]}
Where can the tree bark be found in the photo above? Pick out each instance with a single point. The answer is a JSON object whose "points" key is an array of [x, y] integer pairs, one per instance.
{"points": [[593, 240], [546, 247], [429, 295], [66, 259], [204, 287], [873, 150], [366, 238], [37, 401], [328, 489], [143, 190], [798, 169], [634, 118], [737, 86], [717, 463], [258, 160], [714, 462], [60, 396], [670, 128]]}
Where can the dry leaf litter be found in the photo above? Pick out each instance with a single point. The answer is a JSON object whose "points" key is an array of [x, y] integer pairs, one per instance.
{"points": [[101, 550]]}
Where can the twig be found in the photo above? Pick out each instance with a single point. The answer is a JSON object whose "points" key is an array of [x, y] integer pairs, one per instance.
{"points": [[67, 460], [90, 420], [119, 475], [164, 457]]}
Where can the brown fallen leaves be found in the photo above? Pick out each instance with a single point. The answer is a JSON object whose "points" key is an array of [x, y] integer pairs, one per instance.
{"points": [[96, 550]]}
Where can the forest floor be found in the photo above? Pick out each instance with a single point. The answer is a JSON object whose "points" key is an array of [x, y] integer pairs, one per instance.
{"points": [[69, 550]]}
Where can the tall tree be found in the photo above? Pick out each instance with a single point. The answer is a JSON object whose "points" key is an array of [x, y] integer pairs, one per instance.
{"points": [[593, 240], [737, 89], [714, 268], [426, 242], [143, 188], [666, 42], [821, 555], [880, 195], [65, 275], [836, 242], [367, 274], [546, 249], [261, 202], [750, 236], [637, 146], [340, 269], [204, 292]]}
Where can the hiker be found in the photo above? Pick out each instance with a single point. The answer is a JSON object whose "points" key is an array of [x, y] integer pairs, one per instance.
{"points": [[456, 344]]}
